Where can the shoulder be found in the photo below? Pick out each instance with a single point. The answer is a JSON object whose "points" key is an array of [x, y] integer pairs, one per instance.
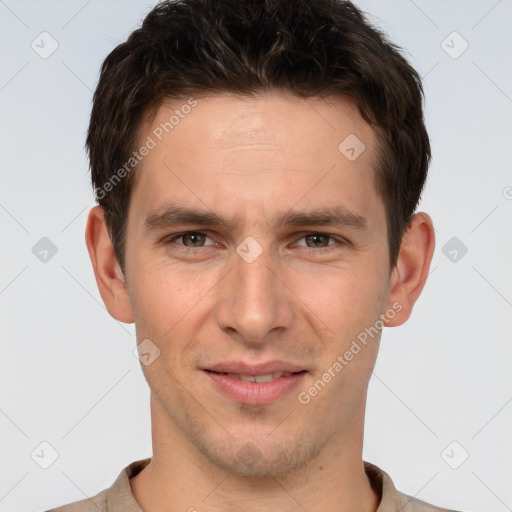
{"points": [[117, 498], [97, 503], [410, 504], [393, 500]]}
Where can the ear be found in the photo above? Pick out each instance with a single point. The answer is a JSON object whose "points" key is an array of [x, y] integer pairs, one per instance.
{"points": [[108, 273], [411, 270]]}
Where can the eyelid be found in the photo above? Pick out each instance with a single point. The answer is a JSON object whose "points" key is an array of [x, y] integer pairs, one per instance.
{"points": [[336, 238], [172, 238], [340, 240]]}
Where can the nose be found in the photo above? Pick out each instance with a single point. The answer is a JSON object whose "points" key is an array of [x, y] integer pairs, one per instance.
{"points": [[255, 303]]}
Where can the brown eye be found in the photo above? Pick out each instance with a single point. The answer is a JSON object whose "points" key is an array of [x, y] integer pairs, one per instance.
{"points": [[318, 240], [193, 239], [320, 244], [190, 240]]}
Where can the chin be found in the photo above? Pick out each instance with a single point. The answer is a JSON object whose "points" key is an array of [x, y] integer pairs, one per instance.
{"points": [[254, 460]]}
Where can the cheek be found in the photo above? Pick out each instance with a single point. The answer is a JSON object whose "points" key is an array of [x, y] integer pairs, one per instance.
{"points": [[163, 296], [346, 300]]}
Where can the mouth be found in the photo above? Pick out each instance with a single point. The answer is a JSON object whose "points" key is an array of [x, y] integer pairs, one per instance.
{"points": [[257, 378], [257, 384]]}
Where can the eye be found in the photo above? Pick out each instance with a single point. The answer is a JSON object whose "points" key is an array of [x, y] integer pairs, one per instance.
{"points": [[190, 239], [320, 244], [315, 243], [319, 240]]}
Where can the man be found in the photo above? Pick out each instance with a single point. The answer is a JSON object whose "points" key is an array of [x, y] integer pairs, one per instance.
{"points": [[257, 166]]}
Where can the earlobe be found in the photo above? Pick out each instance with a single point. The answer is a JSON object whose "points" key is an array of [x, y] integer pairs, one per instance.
{"points": [[411, 270], [109, 277]]}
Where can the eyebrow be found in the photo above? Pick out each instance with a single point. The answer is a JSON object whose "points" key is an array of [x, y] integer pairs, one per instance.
{"points": [[180, 215]]}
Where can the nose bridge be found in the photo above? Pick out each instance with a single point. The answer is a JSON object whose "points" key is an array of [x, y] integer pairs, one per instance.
{"points": [[253, 300]]}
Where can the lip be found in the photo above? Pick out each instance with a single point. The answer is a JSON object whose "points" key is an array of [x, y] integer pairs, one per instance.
{"points": [[255, 393], [255, 369]]}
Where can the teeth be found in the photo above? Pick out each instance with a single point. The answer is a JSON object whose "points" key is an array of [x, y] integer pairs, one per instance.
{"points": [[264, 378], [259, 378]]}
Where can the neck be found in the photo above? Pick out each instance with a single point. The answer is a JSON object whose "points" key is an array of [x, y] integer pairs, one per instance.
{"points": [[179, 478]]}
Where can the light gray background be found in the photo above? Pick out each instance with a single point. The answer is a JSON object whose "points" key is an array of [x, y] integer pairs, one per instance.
{"points": [[68, 374]]}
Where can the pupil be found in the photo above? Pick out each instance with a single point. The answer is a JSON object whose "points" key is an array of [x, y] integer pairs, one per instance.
{"points": [[193, 237], [316, 238]]}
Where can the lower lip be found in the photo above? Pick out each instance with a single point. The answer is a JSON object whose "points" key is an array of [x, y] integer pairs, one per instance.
{"points": [[255, 393]]}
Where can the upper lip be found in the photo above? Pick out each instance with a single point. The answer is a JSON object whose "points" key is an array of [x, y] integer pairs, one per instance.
{"points": [[242, 368]]}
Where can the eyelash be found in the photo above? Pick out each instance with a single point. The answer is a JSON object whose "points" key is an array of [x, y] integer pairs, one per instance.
{"points": [[309, 250]]}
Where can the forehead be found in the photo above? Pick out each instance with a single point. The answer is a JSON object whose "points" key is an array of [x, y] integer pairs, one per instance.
{"points": [[278, 119], [230, 151]]}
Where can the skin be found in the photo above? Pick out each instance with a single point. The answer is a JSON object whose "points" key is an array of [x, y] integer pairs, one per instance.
{"points": [[248, 159]]}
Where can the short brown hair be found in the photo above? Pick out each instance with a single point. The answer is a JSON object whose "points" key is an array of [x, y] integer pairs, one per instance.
{"points": [[305, 47]]}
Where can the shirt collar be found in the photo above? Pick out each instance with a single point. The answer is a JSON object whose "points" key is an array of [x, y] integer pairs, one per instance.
{"points": [[121, 499]]}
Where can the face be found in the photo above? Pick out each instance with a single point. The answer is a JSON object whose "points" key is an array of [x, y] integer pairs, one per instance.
{"points": [[257, 250]]}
